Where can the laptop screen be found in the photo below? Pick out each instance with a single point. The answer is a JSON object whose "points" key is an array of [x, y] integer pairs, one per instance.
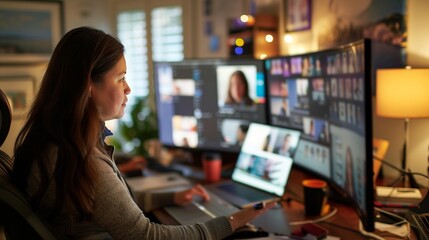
{"points": [[265, 159]]}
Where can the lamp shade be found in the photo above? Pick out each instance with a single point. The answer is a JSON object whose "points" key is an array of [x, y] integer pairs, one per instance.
{"points": [[402, 93]]}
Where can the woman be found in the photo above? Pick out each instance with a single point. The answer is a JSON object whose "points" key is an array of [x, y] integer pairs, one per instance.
{"points": [[238, 90], [349, 181], [63, 164], [285, 148]]}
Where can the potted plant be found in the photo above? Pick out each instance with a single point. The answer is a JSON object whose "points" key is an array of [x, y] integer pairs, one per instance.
{"points": [[134, 134]]}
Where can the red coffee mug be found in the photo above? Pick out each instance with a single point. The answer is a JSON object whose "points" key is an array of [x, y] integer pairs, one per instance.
{"points": [[212, 166]]}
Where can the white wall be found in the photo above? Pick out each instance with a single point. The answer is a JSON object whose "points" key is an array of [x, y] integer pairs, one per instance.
{"points": [[95, 13], [418, 56]]}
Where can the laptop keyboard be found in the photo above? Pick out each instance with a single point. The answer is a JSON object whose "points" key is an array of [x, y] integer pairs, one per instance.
{"points": [[244, 192], [420, 222], [201, 211]]}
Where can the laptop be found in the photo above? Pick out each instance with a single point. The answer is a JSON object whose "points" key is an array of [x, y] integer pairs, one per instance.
{"points": [[263, 166], [260, 174]]}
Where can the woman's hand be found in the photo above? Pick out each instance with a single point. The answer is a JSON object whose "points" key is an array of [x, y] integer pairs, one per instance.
{"points": [[185, 197], [136, 163], [246, 215]]}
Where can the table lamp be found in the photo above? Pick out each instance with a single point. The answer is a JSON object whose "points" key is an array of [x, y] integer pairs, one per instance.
{"points": [[403, 93]]}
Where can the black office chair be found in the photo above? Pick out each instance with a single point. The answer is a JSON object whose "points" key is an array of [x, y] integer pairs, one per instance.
{"points": [[16, 215]]}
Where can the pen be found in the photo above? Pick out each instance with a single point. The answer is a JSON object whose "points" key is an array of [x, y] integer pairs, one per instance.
{"points": [[258, 204]]}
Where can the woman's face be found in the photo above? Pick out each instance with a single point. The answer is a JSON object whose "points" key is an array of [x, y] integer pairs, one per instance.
{"points": [[110, 95], [286, 143], [237, 88]]}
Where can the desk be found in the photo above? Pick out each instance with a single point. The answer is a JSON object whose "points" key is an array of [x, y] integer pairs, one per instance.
{"points": [[343, 224]]}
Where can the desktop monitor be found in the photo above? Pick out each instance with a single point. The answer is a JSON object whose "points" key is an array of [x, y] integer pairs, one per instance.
{"points": [[204, 104], [327, 95]]}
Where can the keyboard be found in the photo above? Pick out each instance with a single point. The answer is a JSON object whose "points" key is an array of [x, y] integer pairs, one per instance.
{"points": [[419, 221], [245, 192], [201, 211]]}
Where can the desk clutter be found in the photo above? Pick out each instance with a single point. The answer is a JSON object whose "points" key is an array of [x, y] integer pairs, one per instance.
{"points": [[398, 196], [171, 178], [167, 179]]}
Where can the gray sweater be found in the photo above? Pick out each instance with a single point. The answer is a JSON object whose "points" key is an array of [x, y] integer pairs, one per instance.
{"points": [[116, 215]]}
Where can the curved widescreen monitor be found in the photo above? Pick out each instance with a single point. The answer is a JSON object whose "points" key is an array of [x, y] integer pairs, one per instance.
{"points": [[327, 95], [208, 104]]}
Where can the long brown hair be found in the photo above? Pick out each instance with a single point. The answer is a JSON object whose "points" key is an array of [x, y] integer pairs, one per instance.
{"points": [[63, 115], [246, 98]]}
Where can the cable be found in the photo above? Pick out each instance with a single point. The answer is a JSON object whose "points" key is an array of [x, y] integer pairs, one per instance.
{"points": [[403, 172], [420, 174], [342, 227], [389, 164], [368, 234], [323, 218], [403, 221]]}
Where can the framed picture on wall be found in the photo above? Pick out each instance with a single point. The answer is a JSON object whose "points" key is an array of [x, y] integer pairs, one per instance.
{"points": [[29, 30], [297, 15], [20, 93]]}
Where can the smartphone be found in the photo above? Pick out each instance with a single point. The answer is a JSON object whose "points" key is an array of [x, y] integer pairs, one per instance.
{"points": [[315, 230]]}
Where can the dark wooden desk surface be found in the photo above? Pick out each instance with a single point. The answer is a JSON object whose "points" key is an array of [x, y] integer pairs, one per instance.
{"points": [[344, 224]]}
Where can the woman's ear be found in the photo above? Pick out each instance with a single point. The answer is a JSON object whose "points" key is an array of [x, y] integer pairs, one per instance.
{"points": [[90, 91]]}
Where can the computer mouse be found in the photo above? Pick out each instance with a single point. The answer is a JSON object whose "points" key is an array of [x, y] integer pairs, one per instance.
{"points": [[246, 232]]}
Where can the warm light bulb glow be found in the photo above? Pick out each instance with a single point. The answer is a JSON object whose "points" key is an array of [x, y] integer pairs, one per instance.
{"points": [[251, 19], [263, 56], [288, 38], [244, 18], [402, 93], [239, 42], [269, 38]]}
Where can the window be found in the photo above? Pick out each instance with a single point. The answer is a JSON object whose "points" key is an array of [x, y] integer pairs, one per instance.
{"points": [[157, 37], [167, 45], [167, 34], [131, 26]]}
